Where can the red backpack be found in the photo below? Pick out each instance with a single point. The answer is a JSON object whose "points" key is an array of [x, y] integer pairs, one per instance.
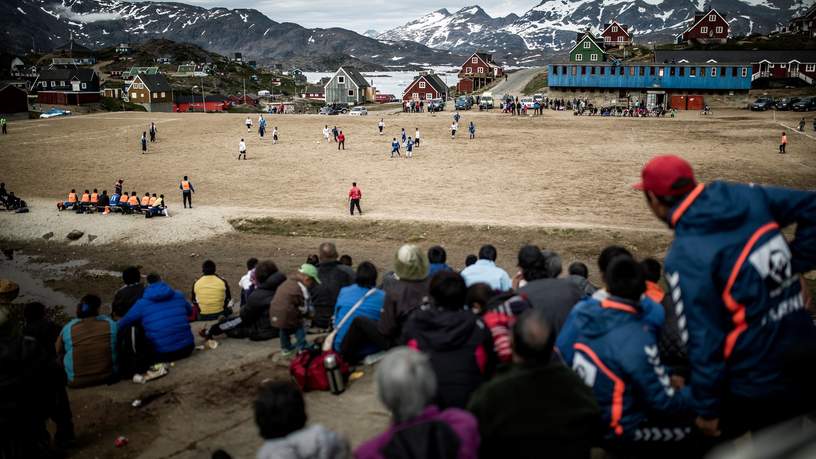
{"points": [[308, 370]]}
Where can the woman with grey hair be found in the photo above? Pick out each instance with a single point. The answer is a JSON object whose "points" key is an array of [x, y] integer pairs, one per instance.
{"points": [[406, 385]]}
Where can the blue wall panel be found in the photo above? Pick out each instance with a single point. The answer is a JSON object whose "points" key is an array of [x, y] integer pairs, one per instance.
{"points": [[697, 79]]}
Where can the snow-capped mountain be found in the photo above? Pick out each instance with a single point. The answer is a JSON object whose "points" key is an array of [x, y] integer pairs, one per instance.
{"points": [[463, 31], [45, 24], [551, 26]]}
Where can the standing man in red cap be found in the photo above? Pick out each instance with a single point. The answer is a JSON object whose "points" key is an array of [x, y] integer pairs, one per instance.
{"points": [[738, 294]]}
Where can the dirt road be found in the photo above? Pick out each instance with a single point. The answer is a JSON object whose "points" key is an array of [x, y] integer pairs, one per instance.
{"points": [[516, 82]]}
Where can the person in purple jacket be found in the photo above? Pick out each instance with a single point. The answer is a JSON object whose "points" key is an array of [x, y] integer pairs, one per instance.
{"points": [[406, 384]]}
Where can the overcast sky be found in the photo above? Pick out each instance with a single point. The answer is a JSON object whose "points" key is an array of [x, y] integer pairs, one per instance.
{"points": [[361, 15]]}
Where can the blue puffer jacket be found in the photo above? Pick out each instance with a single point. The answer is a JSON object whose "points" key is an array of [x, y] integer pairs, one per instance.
{"points": [[736, 288], [163, 313], [613, 347]]}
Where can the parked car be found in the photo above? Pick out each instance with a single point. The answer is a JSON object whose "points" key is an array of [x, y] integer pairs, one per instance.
{"points": [[358, 111], [486, 102], [786, 103], [54, 112], [538, 97], [527, 102], [763, 103], [436, 105], [805, 105], [463, 103], [331, 110]]}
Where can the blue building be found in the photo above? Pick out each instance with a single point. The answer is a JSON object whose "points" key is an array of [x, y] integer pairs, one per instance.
{"points": [[681, 86]]}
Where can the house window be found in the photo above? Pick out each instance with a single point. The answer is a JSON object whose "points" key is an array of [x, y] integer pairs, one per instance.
{"points": [[620, 39], [693, 71], [474, 60], [607, 38], [421, 85], [718, 29], [671, 71], [428, 95], [415, 96], [351, 93], [574, 70], [712, 17], [163, 94], [602, 70], [593, 57], [592, 70], [579, 57], [53, 83], [469, 70], [733, 72], [614, 28], [782, 66], [713, 71], [722, 71], [744, 72], [810, 67], [480, 69], [84, 85], [583, 70], [770, 66], [620, 72], [703, 29], [651, 71], [62, 83], [341, 80], [642, 71], [586, 45], [682, 71], [660, 71], [631, 71]]}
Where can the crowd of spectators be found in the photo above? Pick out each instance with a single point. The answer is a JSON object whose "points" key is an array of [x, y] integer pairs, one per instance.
{"points": [[479, 363], [10, 202]]}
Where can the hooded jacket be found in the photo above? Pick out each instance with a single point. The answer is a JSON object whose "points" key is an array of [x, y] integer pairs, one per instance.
{"points": [[255, 314], [459, 346], [402, 298], [333, 277], [613, 347], [288, 305], [163, 313], [736, 283], [313, 442]]}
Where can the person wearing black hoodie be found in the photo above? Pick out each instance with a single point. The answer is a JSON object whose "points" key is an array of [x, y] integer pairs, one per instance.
{"points": [[458, 343], [253, 321], [333, 277]]}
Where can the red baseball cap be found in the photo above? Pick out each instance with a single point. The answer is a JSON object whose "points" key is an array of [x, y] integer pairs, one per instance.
{"points": [[667, 175]]}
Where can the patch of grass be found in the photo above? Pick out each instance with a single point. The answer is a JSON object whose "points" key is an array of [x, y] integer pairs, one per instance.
{"points": [[536, 85], [117, 105]]}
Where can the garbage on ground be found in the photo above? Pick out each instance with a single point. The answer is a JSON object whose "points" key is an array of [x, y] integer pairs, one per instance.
{"points": [[120, 441], [356, 375], [211, 343], [155, 372], [136, 403]]}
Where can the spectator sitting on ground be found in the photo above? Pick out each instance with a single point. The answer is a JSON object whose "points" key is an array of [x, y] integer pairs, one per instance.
{"points": [[579, 273], [437, 258], [539, 405], [280, 414], [103, 201], [458, 344], [128, 294], [670, 341], [604, 259], [614, 350], [246, 282], [253, 321], [544, 290], [406, 385], [313, 260], [499, 315], [471, 260], [478, 297], [405, 291], [333, 276], [346, 260], [87, 346], [71, 202], [485, 270], [289, 307], [211, 294], [162, 313], [40, 327], [369, 301]]}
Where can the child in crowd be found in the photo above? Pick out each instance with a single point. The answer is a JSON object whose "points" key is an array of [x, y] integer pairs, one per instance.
{"points": [[290, 305]]}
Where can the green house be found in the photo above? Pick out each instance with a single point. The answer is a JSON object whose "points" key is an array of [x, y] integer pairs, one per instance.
{"points": [[587, 49]]}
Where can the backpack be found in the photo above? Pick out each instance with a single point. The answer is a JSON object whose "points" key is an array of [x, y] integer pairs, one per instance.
{"points": [[308, 370]]}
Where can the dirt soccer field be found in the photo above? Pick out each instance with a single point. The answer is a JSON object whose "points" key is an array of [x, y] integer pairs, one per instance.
{"points": [[559, 181]]}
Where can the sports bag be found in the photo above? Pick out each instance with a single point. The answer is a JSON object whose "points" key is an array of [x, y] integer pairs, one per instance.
{"points": [[308, 370]]}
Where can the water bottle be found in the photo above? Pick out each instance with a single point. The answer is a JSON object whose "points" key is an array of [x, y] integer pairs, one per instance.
{"points": [[333, 374]]}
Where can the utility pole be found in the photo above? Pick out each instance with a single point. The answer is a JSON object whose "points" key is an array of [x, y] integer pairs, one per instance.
{"points": [[243, 80]]}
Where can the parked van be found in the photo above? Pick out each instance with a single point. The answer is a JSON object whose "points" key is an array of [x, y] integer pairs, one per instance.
{"points": [[486, 102], [264, 93]]}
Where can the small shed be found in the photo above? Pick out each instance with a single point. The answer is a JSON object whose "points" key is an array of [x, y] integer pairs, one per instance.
{"points": [[346, 87], [12, 99]]}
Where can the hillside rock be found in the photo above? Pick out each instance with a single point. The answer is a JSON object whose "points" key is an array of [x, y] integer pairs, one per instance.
{"points": [[74, 235]]}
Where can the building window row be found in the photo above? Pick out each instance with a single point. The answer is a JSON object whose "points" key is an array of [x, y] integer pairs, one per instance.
{"points": [[673, 71]]}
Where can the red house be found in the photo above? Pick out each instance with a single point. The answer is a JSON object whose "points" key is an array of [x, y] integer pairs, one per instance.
{"points": [[426, 86], [195, 104], [706, 28], [477, 72], [616, 34]]}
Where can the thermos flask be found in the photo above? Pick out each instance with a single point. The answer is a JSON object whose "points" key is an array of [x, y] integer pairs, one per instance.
{"points": [[333, 374]]}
